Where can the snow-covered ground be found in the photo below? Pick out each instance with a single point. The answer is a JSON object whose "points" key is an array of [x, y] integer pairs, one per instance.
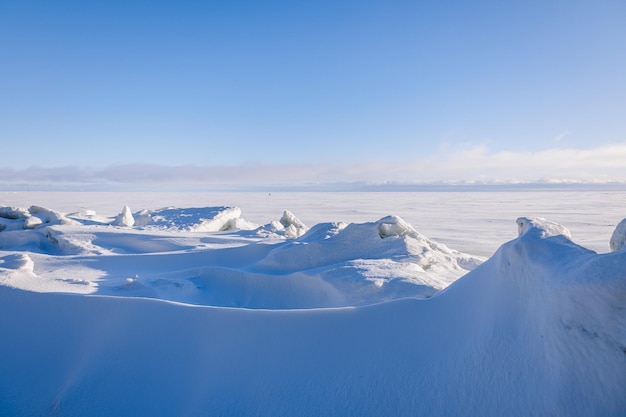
{"points": [[312, 304], [473, 222]]}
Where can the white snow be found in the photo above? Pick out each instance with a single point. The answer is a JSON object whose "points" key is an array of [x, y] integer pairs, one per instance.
{"points": [[198, 311], [125, 218], [541, 226], [293, 227], [619, 237]]}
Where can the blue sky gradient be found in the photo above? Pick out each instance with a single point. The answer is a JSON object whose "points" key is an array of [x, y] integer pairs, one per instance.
{"points": [[325, 84]]}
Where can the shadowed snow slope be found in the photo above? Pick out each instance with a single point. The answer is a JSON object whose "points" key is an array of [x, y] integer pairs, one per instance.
{"points": [[538, 329]]}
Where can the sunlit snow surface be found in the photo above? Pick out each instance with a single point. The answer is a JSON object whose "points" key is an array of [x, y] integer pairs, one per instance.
{"points": [[114, 307], [211, 256]]}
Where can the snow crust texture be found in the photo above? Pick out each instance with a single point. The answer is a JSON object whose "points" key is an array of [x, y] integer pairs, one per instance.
{"points": [[537, 329]]}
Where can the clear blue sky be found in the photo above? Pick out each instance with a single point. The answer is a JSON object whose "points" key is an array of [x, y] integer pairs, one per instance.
{"points": [[211, 83]]}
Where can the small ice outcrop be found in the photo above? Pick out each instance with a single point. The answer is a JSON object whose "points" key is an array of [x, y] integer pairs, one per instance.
{"points": [[32, 222], [542, 226], [394, 226], [216, 219], [48, 216], [142, 217], [13, 213], [293, 226], [130, 282], [14, 218], [618, 239], [193, 219], [289, 226], [125, 218]]}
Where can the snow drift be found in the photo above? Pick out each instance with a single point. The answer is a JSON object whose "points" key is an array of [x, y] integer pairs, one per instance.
{"points": [[537, 329], [272, 266]]}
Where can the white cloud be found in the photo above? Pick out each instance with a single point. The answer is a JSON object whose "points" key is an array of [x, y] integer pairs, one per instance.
{"points": [[606, 163], [562, 136], [477, 164]]}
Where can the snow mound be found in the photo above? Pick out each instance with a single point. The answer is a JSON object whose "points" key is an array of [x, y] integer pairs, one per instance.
{"points": [[619, 237], [394, 226], [387, 238], [205, 219], [13, 213], [49, 216], [293, 226], [370, 262], [329, 265], [125, 218], [289, 226], [15, 218], [33, 229], [549, 311], [542, 227]]}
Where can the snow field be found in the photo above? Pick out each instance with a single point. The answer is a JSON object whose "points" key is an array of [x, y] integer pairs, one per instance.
{"points": [[164, 315]]}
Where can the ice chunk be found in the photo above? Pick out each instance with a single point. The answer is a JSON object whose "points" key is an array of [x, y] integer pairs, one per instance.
{"points": [[31, 222], [48, 216], [293, 226], [541, 226], [619, 237], [394, 226], [13, 213], [125, 218], [193, 219]]}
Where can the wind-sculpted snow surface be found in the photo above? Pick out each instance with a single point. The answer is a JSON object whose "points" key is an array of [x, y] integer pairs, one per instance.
{"points": [[177, 255], [538, 329]]}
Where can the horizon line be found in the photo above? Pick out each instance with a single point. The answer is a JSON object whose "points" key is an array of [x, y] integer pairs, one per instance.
{"points": [[319, 187]]}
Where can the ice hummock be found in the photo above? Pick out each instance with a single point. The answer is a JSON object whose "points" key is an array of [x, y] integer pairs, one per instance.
{"points": [[125, 218]]}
